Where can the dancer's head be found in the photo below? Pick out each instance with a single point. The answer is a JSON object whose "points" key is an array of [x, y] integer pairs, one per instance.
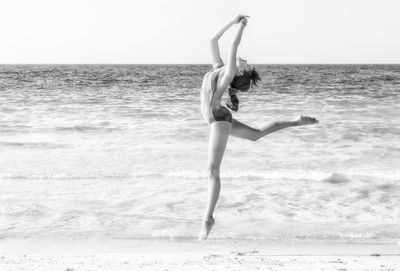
{"points": [[246, 76]]}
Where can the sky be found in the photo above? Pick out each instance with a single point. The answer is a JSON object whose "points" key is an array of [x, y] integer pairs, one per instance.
{"points": [[178, 31]]}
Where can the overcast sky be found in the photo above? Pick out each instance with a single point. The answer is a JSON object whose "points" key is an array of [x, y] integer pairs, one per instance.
{"points": [[177, 31]]}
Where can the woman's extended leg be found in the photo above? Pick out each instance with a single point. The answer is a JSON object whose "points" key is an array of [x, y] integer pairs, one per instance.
{"points": [[219, 133], [243, 131]]}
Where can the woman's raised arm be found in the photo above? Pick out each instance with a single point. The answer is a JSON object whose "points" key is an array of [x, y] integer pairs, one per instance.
{"points": [[216, 56], [230, 70]]}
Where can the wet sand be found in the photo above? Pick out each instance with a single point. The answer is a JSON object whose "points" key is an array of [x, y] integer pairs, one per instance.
{"points": [[77, 255]]}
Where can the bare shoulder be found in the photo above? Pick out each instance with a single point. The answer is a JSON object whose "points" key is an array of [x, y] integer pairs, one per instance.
{"points": [[221, 85], [218, 65], [224, 80]]}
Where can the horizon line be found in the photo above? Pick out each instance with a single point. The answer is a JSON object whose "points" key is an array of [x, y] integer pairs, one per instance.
{"points": [[3, 64]]}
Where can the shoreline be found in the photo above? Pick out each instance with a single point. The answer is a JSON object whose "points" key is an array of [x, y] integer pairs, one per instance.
{"points": [[112, 254]]}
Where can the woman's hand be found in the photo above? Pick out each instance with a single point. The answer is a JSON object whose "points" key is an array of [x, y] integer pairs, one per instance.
{"points": [[233, 104], [243, 21], [239, 18]]}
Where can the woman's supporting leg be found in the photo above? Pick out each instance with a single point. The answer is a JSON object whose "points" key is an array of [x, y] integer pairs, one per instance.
{"points": [[243, 131], [219, 133]]}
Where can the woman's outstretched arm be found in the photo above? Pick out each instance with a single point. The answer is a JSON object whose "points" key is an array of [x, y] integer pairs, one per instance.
{"points": [[216, 56], [230, 70]]}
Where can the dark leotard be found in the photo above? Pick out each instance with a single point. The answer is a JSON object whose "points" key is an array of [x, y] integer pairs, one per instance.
{"points": [[211, 107]]}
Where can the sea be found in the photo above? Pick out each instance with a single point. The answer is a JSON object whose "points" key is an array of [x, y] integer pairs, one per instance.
{"points": [[120, 152]]}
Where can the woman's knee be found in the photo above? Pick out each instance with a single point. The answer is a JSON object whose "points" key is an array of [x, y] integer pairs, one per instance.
{"points": [[213, 170], [256, 135]]}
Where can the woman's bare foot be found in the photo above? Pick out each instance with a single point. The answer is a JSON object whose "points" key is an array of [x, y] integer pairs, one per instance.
{"points": [[206, 228], [305, 120]]}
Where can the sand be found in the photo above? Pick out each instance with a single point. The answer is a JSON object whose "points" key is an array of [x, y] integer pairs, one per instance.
{"points": [[77, 255]]}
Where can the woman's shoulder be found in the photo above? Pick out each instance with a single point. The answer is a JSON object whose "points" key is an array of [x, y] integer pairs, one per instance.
{"points": [[218, 65], [215, 70], [218, 69]]}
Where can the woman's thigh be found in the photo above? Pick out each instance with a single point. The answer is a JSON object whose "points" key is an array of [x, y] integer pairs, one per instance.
{"points": [[219, 133], [243, 131]]}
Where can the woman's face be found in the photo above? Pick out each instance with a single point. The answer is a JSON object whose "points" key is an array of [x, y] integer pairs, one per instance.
{"points": [[242, 65]]}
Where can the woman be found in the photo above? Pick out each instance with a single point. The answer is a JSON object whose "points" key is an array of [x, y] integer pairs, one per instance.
{"points": [[236, 75]]}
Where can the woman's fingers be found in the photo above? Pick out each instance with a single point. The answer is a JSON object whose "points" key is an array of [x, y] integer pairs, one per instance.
{"points": [[240, 17]]}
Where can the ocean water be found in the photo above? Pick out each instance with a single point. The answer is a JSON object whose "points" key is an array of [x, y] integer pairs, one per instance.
{"points": [[119, 151]]}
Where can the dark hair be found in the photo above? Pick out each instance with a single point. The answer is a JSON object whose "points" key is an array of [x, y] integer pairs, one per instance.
{"points": [[247, 80]]}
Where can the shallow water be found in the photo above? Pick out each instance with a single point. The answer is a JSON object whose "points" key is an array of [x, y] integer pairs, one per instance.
{"points": [[120, 151]]}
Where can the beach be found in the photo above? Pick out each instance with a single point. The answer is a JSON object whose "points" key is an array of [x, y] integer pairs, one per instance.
{"points": [[120, 151], [116, 255], [103, 167], [183, 136]]}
